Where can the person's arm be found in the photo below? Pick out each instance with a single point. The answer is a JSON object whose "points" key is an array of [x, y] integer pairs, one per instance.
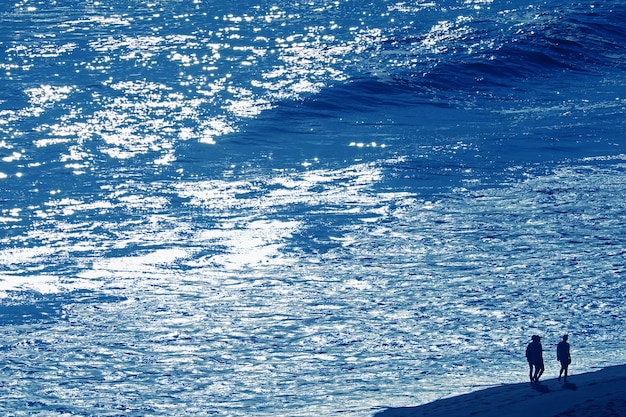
{"points": [[568, 354]]}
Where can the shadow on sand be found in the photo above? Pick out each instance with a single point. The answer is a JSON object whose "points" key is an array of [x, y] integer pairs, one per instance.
{"points": [[592, 393], [569, 385], [541, 388]]}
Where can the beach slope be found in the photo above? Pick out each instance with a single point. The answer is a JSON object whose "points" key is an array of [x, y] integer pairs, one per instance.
{"points": [[601, 393]]}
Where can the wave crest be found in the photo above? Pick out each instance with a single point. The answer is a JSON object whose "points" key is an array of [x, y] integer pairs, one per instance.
{"points": [[513, 46]]}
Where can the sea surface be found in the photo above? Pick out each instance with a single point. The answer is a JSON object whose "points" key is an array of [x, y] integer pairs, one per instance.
{"points": [[305, 208]]}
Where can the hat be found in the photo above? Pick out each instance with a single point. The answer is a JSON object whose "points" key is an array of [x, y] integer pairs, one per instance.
{"points": [[535, 337]]}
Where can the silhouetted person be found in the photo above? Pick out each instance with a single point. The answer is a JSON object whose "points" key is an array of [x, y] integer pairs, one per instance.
{"points": [[563, 356], [534, 356]]}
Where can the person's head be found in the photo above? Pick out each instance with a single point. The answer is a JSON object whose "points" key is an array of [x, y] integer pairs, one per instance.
{"points": [[565, 338], [536, 338]]}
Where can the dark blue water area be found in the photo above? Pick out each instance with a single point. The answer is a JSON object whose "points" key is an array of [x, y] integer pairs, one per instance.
{"points": [[563, 55], [24, 308], [30, 308], [578, 39], [443, 143], [544, 94]]}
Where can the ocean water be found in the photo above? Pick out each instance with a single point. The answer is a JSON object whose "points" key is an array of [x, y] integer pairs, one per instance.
{"points": [[316, 208]]}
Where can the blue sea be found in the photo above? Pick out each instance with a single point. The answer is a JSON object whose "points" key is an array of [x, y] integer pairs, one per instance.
{"points": [[305, 208]]}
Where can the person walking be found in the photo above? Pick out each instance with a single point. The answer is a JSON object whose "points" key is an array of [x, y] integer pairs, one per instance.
{"points": [[563, 356], [534, 356]]}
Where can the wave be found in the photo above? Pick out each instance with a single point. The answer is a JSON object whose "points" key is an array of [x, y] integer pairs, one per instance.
{"points": [[513, 46], [454, 61]]}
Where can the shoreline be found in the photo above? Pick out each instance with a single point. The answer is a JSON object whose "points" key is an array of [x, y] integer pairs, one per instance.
{"points": [[600, 393]]}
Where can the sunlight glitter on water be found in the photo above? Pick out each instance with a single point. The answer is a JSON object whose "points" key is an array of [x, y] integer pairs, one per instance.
{"points": [[277, 307], [354, 234]]}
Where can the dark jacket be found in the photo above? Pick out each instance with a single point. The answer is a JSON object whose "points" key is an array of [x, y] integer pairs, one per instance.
{"points": [[534, 353], [562, 352]]}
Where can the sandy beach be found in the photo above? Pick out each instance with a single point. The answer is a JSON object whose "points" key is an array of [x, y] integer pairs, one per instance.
{"points": [[594, 394]]}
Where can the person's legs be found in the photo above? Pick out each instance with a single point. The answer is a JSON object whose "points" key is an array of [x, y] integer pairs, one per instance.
{"points": [[538, 372], [563, 370], [530, 372]]}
